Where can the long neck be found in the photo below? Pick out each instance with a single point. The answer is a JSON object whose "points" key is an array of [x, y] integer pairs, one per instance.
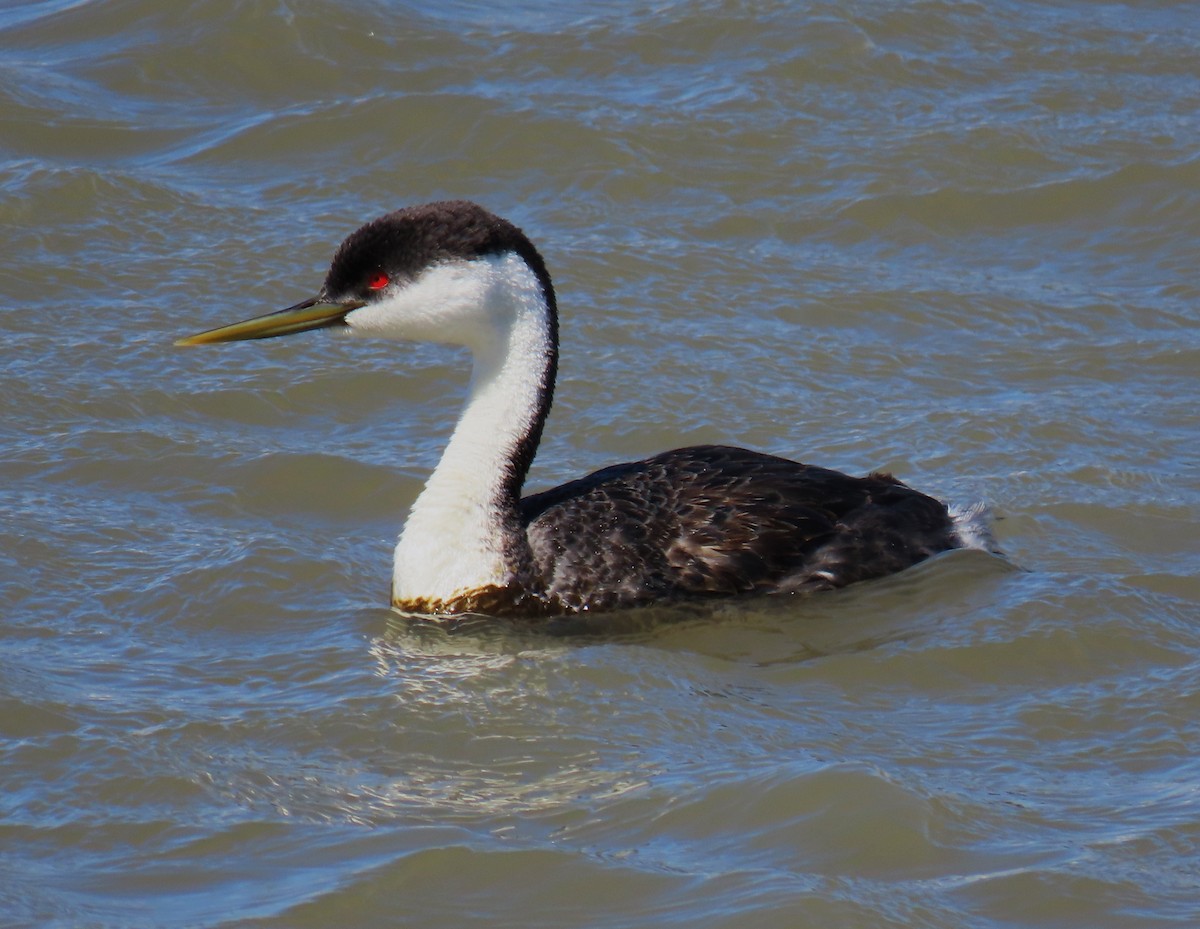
{"points": [[464, 532]]}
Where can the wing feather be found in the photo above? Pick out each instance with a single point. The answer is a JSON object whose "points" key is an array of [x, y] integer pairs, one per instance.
{"points": [[715, 521]]}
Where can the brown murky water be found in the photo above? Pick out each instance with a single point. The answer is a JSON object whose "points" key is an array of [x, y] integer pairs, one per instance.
{"points": [[954, 241]]}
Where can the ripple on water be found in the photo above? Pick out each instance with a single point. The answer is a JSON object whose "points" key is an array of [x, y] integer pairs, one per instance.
{"points": [[952, 240]]}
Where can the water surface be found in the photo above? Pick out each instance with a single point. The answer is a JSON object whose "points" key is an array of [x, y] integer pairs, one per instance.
{"points": [[955, 241]]}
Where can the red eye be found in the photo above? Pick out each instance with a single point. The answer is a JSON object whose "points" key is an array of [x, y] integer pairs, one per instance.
{"points": [[378, 281]]}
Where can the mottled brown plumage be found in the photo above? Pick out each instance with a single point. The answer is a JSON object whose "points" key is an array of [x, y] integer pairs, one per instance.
{"points": [[716, 521]]}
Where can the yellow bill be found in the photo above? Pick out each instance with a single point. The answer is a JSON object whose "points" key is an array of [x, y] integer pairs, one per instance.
{"points": [[309, 314]]}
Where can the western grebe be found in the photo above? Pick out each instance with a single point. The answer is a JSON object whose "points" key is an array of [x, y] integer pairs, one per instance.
{"points": [[700, 522]]}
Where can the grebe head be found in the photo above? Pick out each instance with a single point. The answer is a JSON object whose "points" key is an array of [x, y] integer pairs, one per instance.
{"points": [[444, 272]]}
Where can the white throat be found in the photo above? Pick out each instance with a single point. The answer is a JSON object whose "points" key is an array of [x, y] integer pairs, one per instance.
{"points": [[454, 541]]}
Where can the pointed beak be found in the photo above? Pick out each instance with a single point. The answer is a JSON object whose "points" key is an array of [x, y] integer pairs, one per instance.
{"points": [[313, 313]]}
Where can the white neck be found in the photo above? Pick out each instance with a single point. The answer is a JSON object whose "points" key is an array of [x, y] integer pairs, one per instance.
{"points": [[455, 537]]}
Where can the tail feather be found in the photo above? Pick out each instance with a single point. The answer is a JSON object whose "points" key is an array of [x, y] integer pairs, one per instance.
{"points": [[973, 526]]}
